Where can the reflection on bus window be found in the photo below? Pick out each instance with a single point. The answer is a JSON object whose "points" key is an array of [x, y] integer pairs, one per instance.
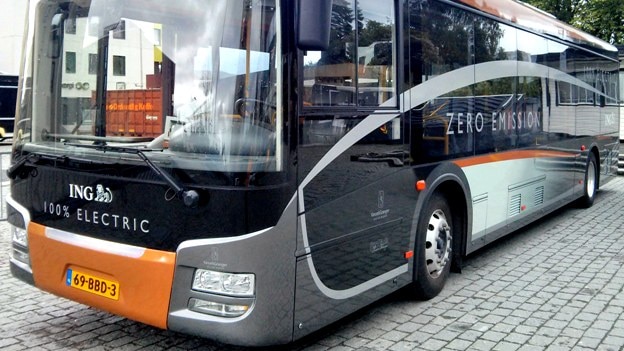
{"points": [[358, 68]]}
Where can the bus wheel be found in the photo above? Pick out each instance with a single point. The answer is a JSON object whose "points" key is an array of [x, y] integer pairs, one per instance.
{"points": [[434, 244], [591, 182]]}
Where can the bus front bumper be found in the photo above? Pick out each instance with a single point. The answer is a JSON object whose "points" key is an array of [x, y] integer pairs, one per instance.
{"points": [[125, 280], [268, 255]]}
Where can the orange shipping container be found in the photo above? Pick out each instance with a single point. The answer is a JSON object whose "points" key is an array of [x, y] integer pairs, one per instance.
{"points": [[134, 113]]}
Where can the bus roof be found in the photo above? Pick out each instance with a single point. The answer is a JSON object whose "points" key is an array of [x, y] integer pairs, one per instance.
{"points": [[526, 16]]}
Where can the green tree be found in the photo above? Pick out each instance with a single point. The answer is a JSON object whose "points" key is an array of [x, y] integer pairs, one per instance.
{"points": [[564, 10], [601, 18], [341, 33], [374, 31]]}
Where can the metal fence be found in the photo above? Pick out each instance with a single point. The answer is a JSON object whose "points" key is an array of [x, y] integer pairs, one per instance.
{"points": [[5, 162]]}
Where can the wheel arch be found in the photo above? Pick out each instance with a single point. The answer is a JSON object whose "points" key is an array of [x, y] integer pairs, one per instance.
{"points": [[586, 198], [449, 180], [594, 150]]}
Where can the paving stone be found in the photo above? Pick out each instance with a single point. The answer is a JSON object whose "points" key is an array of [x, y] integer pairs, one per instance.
{"points": [[379, 344], [506, 346], [493, 336], [394, 335], [356, 342], [541, 340], [589, 342], [404, 346], [408, 327], [459, 344], [482, 345]]}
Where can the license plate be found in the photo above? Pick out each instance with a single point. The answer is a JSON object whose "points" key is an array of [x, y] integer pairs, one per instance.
{"points": [[95, 285]]}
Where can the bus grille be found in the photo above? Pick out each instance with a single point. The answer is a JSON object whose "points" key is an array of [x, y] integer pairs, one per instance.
{"points": [[514, 204], [539, 195]]}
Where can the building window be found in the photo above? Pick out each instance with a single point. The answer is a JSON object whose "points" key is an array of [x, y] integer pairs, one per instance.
{"points": [[70, 62], [70, 26], [93, 26], [157, 35], [93, 63], [120, 31], [119, 65]]}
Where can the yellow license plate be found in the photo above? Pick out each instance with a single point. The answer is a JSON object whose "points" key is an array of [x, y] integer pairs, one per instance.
{"points": [[95, 285]]}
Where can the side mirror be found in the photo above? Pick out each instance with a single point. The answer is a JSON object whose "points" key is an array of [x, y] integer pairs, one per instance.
{"points": [[314, 24]]}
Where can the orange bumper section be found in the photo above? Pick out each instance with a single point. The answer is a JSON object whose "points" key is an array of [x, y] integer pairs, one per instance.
{"points": [[144, 281]]}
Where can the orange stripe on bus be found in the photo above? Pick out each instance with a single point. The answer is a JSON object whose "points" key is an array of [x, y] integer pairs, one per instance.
{"points": [[510, 155], [144, 282]]}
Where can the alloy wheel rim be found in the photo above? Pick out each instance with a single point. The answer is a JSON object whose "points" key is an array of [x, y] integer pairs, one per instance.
{"points": [[438, 243]]}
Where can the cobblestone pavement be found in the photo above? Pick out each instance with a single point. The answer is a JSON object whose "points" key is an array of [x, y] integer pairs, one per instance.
{"points": [[556, 285]]}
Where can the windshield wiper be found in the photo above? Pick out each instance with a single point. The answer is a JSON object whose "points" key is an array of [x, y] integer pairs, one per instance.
{"points": [[100, 140], [189, 197], [29, 160]]}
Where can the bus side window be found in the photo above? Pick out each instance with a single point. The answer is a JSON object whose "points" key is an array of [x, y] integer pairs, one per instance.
{"points": [[358, 68]]}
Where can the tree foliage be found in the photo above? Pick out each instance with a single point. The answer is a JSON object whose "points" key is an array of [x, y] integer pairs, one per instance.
{"points": [[342, 39], [564, 10], [601, 18], [341, 33], [604, 19]]}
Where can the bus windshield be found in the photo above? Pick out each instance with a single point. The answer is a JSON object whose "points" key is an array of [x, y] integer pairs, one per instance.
{"points": [[196, 79]]}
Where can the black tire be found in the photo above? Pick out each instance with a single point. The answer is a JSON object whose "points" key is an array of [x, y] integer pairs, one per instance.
{"points": [[590, 185], [433, 248]]}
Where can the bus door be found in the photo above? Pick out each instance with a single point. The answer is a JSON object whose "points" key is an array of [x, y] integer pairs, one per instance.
{"points": [[354, 180]]}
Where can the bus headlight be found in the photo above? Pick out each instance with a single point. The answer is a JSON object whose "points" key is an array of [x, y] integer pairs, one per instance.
{"points": [[232, 284], [19, 236], [18, 218], [20, 245]]}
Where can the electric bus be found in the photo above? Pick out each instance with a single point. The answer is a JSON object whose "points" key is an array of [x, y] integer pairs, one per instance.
{"points": [[253, 170]]}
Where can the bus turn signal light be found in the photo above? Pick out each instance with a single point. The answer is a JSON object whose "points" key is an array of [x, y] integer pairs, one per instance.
{"points": [[217, 308], [421, 185]]}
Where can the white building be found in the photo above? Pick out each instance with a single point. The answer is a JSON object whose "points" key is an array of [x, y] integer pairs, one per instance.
{"points": [[133, 51], [13, 19]]}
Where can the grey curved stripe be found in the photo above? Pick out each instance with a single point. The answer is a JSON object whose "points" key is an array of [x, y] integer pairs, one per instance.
{"points": [[219, 241], [346, 293], [358, 289], [415, 96]]}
